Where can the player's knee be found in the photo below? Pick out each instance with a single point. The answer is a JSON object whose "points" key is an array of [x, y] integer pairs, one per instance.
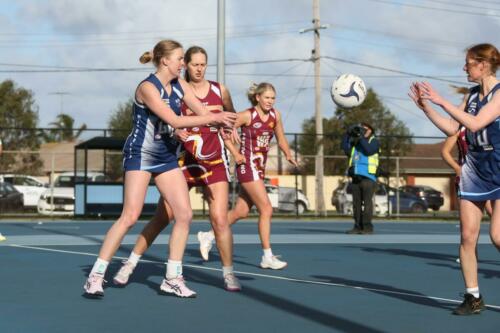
{"points": [[468, 237], [129, 218], [184, 217], [266, 210]]}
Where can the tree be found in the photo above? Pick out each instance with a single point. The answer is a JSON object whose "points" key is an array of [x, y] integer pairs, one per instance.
{"points": [[120, 125], [18, 110], [63, 129], [372, 111], [121, 121]]}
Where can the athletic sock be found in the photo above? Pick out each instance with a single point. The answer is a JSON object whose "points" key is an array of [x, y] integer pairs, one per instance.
{"points": [[134, 258], [99, 267], [211, 235], [227, 270], [174, 269], [473, 291], [268, 253]]}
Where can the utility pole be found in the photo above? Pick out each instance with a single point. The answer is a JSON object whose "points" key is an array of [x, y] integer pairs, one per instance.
{"points": [[315, 57], [221, 36]]}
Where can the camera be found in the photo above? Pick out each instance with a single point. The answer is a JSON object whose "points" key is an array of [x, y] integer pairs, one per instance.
{"points": [[356, 131]]}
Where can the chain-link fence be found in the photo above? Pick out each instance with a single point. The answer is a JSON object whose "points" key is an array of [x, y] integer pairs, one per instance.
{"points": [[410, 168]]}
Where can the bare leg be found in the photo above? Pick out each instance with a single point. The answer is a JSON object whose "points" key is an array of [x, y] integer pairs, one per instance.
{"points": [[495, 223], [154, 227], [136, 183], [240, 209], [218, 195], [178, 200], [470, 220], [256, 191]]}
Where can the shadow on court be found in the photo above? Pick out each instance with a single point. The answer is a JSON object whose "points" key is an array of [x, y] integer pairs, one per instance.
{"points": [[421, 254], [145, 271], [390, 291]]}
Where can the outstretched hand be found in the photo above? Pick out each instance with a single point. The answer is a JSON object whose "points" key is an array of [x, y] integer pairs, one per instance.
{"points": [[226, 119], [181, 135], [292, 161], [427, 92], [415, 95]]}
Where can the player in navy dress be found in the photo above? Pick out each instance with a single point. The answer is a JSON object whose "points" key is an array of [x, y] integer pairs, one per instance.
{"points": [[204, 162], [480, 174], [149, 151]]}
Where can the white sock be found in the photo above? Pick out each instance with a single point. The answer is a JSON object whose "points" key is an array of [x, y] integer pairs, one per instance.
{"points": [[268, 253], [473, 291], [211, 235], [227, 270], [174, 269], [99, 267], [134, 258]]}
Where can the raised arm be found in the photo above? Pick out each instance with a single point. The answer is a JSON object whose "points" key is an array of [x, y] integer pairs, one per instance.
{"points": [[474, 123], [282, 141], [448, 126], [149, 95]]}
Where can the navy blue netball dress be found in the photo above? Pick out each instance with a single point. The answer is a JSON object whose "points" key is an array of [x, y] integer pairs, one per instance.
{"points": [[480, 178], [150, 146]]}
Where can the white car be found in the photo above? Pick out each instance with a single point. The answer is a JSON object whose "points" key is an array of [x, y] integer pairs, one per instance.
{"points": [[60, 199], [29, 186], [287, 199]]}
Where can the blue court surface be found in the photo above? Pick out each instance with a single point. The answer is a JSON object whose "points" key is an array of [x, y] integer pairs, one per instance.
{"points": [[403, 278]]}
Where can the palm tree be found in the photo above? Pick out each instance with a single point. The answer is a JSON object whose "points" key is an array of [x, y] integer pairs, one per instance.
{"points": [[63, 129]]}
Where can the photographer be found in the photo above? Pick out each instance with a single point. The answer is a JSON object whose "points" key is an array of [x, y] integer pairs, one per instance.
{"points": [[361, 146]]}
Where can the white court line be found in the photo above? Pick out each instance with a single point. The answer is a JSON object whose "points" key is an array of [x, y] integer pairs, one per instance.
{"points": [[331, 284]]}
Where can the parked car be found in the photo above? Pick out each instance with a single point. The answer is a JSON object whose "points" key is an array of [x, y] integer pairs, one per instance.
{"points": [[60, 200], [433, 197], [289, 200], [385, 200], [29, 186], [342, 199], [10, 199]]}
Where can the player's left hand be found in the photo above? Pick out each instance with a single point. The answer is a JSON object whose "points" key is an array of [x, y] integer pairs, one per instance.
{"points": [[181, 135], [292, 161]]}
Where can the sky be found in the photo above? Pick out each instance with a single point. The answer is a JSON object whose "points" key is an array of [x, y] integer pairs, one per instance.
{"points": [[81, 57]]}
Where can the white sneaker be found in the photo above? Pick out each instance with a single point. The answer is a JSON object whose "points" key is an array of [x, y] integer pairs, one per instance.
{"points": [[205, 244], [231, 282], [2, 237], [272, 263], [121, 278], [94, 285], [177, 286]]}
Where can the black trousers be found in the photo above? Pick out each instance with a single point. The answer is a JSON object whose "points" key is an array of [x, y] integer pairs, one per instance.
{"points": [[362, 202]]}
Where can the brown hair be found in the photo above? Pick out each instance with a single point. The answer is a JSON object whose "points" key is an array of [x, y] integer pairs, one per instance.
{"points": [[258, 89], [485, 52], [163, 48], [189, 54]]}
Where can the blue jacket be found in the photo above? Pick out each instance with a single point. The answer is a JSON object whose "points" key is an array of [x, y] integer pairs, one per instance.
{"points": [[363, 156]]}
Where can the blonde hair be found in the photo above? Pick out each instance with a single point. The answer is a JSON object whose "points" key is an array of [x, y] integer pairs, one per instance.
{"points": [[258, 89], [163, 48], [485, 52]]}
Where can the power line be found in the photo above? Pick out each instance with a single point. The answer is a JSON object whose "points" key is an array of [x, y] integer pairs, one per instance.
{"points": [[462, 5], [434, 8], [364, 42], [393, 70], [402, 36], [170, 32]]}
